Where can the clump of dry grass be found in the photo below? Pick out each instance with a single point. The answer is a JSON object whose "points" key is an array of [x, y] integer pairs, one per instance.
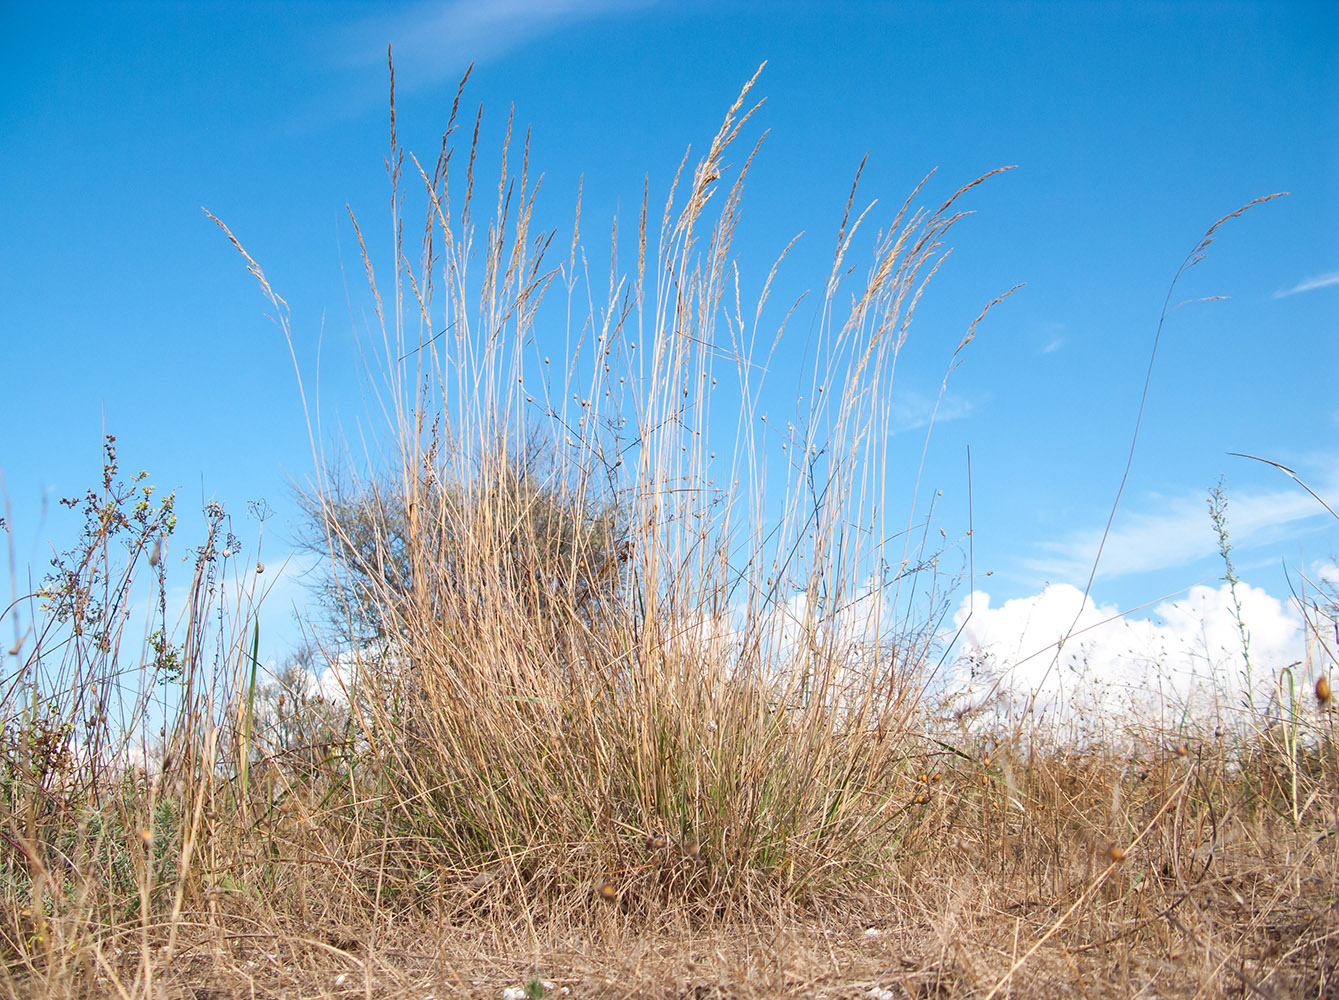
{"points": [[612, 670], [627, 713]]}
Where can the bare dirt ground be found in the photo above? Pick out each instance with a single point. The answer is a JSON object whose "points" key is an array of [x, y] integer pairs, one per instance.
{"points": [[1240, 933]]}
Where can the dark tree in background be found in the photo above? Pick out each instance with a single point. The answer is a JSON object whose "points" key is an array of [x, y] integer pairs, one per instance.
{"points": [[516, 536]]}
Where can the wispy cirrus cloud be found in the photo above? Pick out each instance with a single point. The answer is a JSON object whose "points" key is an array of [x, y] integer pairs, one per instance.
{"points": [[433, 44], [436, 41], [1176, 534], [912, 410], [1051, 336], [1310, 284]]}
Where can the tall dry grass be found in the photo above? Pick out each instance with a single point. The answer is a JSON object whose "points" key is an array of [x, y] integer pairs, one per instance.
{"points": [[647, 665]]}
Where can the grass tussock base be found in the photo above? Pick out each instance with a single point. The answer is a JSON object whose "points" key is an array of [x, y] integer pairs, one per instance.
{"points": [[607, 708]]}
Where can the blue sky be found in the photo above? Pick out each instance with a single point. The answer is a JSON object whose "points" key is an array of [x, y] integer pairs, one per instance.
{"points": [[1133, 126]]}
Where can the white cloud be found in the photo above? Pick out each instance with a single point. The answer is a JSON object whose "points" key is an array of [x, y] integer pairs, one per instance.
{"points": [[331, 676], [1184, 666], [1177, 533], [1326, 573], [1310, 284]]}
